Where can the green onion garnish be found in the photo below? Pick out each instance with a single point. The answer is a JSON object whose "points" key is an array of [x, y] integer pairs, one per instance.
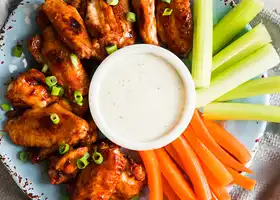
{"points": [[45, 68], [97, 158], [135, 198], [166, 1], [78, 96], [23, 156], [17, 52], [112, 2], [74, 60], [64, 148], [57, 91], [80, 103], [51, 81], [167, 12], [82, 163], [111, 48], [6, 107], [130, 17], [55, 118]]}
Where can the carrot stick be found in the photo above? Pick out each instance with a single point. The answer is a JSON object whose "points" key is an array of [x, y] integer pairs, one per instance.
{"points": [[203, 134], [174, 176], [244, 181], [192, 168], [212, 163], [154, 175], [168, 191], [172, 152], [228, 141]]}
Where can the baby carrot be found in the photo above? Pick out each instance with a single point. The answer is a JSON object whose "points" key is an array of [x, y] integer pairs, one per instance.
{"points": [[172, 152], [203, 134], [192, 168], [228, 141], [244, 181], [212, 163], [154, 175], [168, 191], [174, 176]]}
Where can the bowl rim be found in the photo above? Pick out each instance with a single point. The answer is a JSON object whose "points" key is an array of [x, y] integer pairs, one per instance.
{"points": [[189, 103]]}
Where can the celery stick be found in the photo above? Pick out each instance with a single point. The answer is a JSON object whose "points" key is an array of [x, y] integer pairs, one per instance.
{"points": [[234, 22], [253, 88], [242, 111], [241, 48], [202, 42], [246, 69]]}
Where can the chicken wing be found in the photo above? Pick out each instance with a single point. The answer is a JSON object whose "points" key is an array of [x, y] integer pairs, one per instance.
{"points": [[146, 19], [175, 30], [35, 46], [70, 26], [57, 56], [35, 128], [29, 90], [107, 24], [64, 168], [98, 182]]}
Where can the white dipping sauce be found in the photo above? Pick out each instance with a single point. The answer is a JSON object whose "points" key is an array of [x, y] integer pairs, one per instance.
{"points": [[142, 97]]}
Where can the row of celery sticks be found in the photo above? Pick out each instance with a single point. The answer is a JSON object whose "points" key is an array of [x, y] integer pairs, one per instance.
{"points": [[223, 67]]}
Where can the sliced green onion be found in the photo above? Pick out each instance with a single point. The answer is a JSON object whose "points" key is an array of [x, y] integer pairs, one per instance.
{"points": [[55, 118], [80, 103], [82, 163], [112, 2], [65, 198], [74, 60], [97, 158], [235, 21], [23, 156], [111, 48], [45, 68], [130, 17], [57, 91], [78, 96], [135, 198], [51, 81], [167, 12], [64, 148], [17, 52], [166, 1], [248, 68], [6, 107], [242, 111]]}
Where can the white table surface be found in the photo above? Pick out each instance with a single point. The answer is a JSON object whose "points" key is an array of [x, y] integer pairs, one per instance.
{"points": [[272, 4]]}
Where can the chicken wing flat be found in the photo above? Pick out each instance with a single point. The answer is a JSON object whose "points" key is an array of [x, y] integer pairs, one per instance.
{"points": [[64, 168], [175, 30], [107, 25], [35, 128], [69, 25], [146, 19], [29, 90], [57, 56], [98, 182]]}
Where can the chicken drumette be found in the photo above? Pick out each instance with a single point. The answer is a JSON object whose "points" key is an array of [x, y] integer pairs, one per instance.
{"points": [[175, 30], [108, 26]]}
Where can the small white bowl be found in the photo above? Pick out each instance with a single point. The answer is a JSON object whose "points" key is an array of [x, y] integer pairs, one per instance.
{"points": [[188, 88]]}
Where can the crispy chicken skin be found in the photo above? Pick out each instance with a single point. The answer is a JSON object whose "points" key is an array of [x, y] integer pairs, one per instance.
{"points": [[176, 30], [107, 25], [98, 182], [57, 56], [64, 168], [29, 90], [69, 25], [146, 19], [35, 129]]}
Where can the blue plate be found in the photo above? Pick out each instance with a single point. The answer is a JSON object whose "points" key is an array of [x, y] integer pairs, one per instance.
{"points": [[33, 179]]}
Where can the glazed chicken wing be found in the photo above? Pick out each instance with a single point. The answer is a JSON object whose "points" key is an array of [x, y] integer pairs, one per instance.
{"points": [[98, 182], [175, 30], [64, 168], [35, 128], [29, 90], [108, 25], [146, 19], [69, 25]]}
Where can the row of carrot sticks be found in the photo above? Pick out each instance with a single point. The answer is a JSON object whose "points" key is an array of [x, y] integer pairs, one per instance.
{"points": [[200, 164]]}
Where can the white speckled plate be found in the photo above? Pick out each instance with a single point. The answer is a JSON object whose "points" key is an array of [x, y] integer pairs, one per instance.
{"points": [[33, 179]]}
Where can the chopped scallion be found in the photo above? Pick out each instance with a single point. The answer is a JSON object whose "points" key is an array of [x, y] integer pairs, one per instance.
{"points": [[80, 103], [17, 52], [57, 91], [166, 1], [82, 163], [23, 156], [6, 107], [112, 2], [74, 60], [64, 148], [51, 81], [97, 158], [167, 12], [131, 17], [45, 68], [111, 48], [135, 198], [78, 96], [55, 118]]}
